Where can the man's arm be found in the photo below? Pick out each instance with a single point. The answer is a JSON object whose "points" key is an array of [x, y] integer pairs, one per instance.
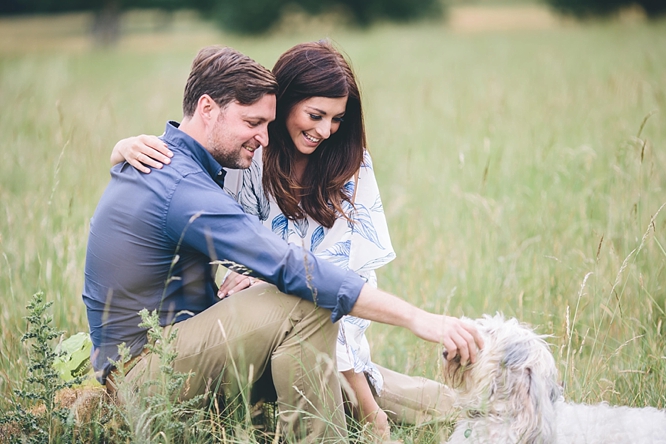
{"points": [[223, 231], [205, 219], [457, 336]]}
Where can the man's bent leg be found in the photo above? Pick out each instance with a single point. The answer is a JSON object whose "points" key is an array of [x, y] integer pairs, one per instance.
{"points": [[306, 378], [231, 344], [413, 399]]}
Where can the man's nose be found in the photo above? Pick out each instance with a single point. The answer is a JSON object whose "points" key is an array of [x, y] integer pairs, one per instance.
{"points": [[262, 137]]}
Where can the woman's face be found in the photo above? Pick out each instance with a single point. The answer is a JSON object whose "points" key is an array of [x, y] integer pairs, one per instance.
{"points": [[314, 120]]}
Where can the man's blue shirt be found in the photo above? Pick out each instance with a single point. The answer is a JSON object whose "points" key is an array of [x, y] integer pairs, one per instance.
{"points": [[153, 237]]}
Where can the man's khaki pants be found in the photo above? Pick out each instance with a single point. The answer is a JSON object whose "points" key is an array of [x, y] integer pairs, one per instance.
{"points": [[231, 344]]}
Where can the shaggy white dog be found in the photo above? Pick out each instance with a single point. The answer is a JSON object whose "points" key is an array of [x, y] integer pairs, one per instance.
{"points": [[511, 395]]}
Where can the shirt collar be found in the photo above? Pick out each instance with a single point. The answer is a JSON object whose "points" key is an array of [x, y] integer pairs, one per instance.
{"points": [[183, 142]]}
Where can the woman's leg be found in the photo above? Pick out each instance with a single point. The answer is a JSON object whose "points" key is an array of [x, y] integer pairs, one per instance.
{"points": [[413, 399]]}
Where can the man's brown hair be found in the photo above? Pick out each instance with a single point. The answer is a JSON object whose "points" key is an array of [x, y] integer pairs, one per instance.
{"points": [[226, 75]]}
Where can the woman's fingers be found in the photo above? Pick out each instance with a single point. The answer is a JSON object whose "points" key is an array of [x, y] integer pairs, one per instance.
{"points": [[234, 282], [147, 160], [132, 160], [146, 151], [241, 285], [226, 285], [163, 153]]}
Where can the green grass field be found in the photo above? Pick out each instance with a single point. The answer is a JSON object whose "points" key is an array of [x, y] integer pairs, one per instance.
{"points": [[522, 171]]}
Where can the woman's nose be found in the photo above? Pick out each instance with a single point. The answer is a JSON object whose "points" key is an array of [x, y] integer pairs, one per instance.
{"points": [[324, 129]]}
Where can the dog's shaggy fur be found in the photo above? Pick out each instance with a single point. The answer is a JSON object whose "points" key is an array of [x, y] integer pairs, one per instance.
{"points": [[510, 395]]}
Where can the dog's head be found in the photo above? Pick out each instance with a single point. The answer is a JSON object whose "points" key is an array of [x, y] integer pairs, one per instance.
{"points": [[514, 378]]}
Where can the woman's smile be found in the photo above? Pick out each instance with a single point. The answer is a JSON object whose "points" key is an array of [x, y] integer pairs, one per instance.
{"points": [[314, 120]]}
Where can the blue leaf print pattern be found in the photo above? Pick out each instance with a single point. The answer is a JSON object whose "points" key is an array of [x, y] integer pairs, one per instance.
{"points": [[363, 225], [231, 193], [280, 226], [317, 237], [251, 195], [377, 207], [376, 263], [349, 188], [338, 254], [362, 324], [301, 227]]}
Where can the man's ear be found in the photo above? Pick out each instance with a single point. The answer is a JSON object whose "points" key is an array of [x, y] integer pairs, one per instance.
{"points": [[207, 109]]}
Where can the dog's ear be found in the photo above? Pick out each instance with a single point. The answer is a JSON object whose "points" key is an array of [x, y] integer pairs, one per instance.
{"points": [[529, 389], [515, 354]]}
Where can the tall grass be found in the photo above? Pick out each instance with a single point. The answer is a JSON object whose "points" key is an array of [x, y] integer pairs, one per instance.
{"points": [[523, 163], [521, 172]]}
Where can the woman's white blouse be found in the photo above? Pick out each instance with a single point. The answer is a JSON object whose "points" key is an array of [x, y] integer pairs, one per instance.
{"points": [[361, 246]]}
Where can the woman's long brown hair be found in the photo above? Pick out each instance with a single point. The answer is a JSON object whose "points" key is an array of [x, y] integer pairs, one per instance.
{"points": [[307, 70]]}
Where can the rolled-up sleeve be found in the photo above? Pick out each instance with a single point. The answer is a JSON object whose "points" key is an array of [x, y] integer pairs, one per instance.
{"points": [[202, 218]]}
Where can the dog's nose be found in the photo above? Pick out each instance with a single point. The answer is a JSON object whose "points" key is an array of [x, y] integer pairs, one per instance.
{"points": [[445, 353]]}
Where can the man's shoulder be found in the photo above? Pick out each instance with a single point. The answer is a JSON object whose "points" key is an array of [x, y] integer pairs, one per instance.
{"points": [[192, 182], [183, 166]]}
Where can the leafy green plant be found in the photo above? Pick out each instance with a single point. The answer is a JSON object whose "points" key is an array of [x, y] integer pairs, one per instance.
{"points": [[154, 411], [35, 415], [73, 359]]}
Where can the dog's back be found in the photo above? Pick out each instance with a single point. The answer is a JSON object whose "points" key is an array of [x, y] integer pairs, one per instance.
{"points": [[511, 396], [601, 423]]}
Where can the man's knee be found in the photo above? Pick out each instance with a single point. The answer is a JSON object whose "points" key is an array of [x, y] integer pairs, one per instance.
{"points": [[305, 316]]}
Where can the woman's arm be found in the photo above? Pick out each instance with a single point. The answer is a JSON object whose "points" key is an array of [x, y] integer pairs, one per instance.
{"points": [[142, 152], [367, 410]]}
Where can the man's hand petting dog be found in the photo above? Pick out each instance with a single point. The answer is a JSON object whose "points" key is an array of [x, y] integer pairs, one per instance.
{"points": [[460, 338]]}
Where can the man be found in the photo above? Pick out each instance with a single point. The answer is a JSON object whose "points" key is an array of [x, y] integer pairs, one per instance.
{"points": [[153, 238]]}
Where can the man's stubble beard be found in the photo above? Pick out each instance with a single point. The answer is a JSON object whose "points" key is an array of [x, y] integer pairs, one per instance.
{"points": [[228, 158]]}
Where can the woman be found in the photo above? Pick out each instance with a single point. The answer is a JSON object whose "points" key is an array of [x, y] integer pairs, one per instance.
{"points": [[313, 185]]}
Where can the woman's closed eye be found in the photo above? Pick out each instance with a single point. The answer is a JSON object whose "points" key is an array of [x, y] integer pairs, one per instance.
{"points": [[334, 119]]}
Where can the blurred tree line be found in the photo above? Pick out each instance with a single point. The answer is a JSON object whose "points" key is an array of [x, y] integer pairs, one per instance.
{"points": [[257, 16], [239, 16], [592, 8], [106, 13]]}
